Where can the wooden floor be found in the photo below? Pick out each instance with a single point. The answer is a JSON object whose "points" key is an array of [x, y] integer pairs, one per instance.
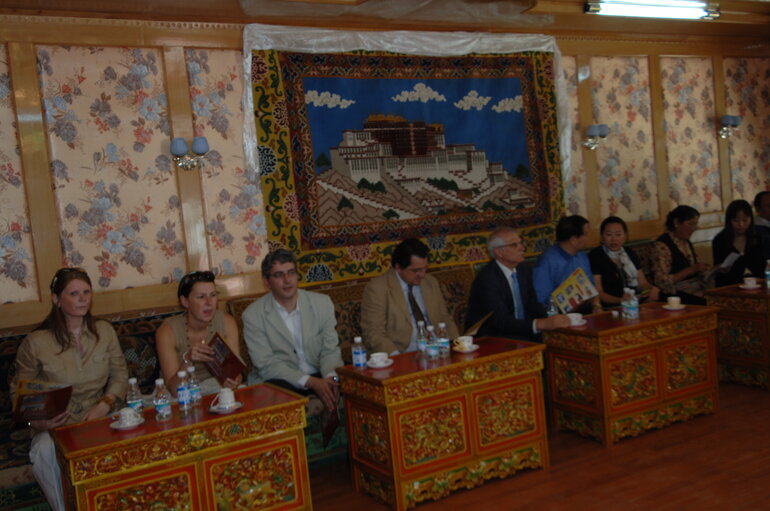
{"points": [[716, 462]]}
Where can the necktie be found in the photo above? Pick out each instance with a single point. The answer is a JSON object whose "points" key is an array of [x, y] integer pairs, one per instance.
{"points": [[518, 305], [416, 311]]}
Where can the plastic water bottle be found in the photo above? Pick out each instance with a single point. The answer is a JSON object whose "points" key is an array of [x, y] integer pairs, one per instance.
{"points": [[431, 346], [162, 401], [134, 396], [767, 274], [550, 308], [630, 304], [422, 342], [195, 386], [183, 392], [359, 353], [442, 338]]}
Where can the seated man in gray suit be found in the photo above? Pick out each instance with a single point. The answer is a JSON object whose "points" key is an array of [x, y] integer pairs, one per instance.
{"points": [[291, 335], [397, 299]]}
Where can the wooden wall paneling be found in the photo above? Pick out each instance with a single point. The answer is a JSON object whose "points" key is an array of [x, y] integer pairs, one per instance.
{"points": [[111, 32], [38, 184], [188, 181], [723, 145], [659, 136], [590, 161]]}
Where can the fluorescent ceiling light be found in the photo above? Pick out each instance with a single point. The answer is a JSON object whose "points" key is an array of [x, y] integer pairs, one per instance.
{"points": [[673, 9]]}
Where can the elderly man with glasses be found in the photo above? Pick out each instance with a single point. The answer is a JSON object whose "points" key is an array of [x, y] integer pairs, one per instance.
{"points": [[290, 333], [397, 299], [505, 288]]}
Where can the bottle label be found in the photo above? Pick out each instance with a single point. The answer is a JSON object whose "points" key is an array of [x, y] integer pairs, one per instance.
{"points": [[195, 394], [163, 409], [183, 395], [359, 358], [136, 404]]}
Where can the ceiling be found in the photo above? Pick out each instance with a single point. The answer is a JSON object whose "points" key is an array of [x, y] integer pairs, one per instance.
{"points": [[740, 18]]}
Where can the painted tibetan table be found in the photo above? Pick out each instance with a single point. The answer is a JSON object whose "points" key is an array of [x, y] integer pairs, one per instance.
{"points": [[422, 429], [613, 378], [743, 334], [253, 458]]}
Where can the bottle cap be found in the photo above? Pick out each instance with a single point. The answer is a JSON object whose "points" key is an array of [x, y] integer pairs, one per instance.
{"points": [[357, 339], [190, 369], [131, 381], [181, 374], [160, 381]]}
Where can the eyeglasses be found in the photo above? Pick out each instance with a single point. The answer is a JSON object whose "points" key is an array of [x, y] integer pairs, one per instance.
{"points": [[64, 271], [283, 274]]}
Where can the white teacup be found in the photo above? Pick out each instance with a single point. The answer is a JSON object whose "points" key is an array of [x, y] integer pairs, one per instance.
{"points": [[128, 417], [749, 282], [224, 400], [464, 342], [674, 301], [379, 358], [575, 318]]}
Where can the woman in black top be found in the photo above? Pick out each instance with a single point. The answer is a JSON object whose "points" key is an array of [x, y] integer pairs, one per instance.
{"points": [[739, 236], [616, 267]]}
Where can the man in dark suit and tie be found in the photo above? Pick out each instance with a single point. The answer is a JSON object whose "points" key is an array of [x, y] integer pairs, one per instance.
{"points": [[504, 287]]}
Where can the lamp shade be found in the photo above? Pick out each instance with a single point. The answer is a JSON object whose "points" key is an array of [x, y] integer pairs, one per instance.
{"points": [[736, 120], [593, 130], [178, 147], [200, 145], [604, 130]]}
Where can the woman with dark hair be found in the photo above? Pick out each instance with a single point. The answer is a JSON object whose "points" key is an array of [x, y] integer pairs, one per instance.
{"points": [[71, 347], [182, 340], [675, 267], [616, 267], [739, 236]]}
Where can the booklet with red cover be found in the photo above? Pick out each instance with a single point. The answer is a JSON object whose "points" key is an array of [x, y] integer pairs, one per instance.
{"points": [[226, 364], [40, 400]]}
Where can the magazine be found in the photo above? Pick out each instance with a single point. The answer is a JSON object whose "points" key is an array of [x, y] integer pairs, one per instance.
{"points": [[574, 291], [226, 364], [40, 400]]}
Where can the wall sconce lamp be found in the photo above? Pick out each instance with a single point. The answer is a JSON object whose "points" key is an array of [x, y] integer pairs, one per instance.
{"points": [[729, 124], [671, 9], [595, 133], [200, 147]]}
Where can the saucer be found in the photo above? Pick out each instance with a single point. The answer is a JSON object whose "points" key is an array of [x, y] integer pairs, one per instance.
{"points": [[229, 409], [579, 323], [116, 425], [674, 308], [380, 366], [744, 286], [473, 348]]}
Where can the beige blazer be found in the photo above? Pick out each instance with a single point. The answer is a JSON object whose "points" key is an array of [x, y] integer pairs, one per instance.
{"points": [[385, 320]]}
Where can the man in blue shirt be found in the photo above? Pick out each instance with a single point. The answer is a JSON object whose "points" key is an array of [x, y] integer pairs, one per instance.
{"points": [[565, 256]]}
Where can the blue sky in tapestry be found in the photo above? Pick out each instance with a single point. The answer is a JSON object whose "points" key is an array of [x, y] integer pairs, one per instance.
{"points": [[486, 112]]}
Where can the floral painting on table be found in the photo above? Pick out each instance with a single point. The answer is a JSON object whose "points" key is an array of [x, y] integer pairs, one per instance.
{"points": [[359, 150], [575, 176], [627, 172], [108, 129], [747, 94], [691, 143], [235, 219], [17, 267]]}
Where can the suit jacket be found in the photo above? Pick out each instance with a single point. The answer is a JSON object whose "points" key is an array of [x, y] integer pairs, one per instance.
{"points": [[271, 345], [491, 292], [385, 317]]}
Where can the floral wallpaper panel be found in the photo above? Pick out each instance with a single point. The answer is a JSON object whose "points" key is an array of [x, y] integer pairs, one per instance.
{"points": [[575, 177], [691, 138], [235, 218], [17, 276], [747, 94], [108, 130], [627, 173]]}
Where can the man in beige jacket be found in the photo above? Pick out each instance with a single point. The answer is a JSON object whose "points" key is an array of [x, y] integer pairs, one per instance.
{"points": [[397, 299]]}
